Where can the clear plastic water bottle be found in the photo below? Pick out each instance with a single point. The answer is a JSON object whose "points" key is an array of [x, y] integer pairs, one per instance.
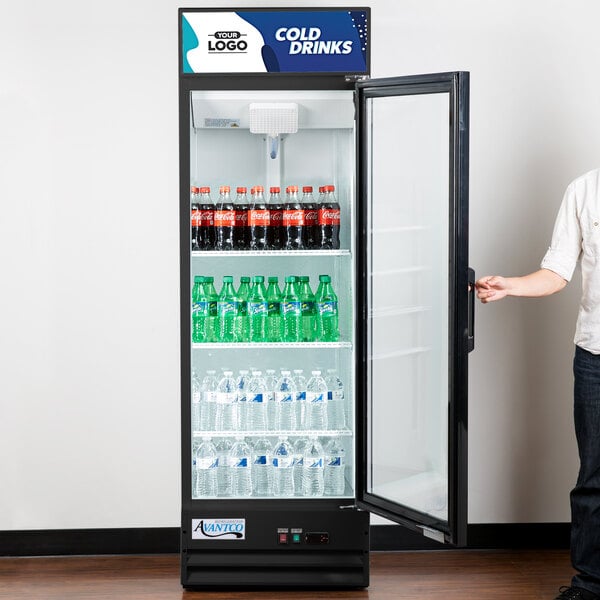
{"points": [[196, 401], [206, 469], [227, 414], [241, 456], [283, 468], [300, 382], [208, 391], [316, 402], [285, 400], [271, 381], [261, 467], [195, 446], [224, 473], [312, 480], [256, 400], [242, 386], [299, 450], [336, 410], [334, 468]]}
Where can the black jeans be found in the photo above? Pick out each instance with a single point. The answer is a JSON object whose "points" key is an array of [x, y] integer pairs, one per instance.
{"points": [[585, 497]]}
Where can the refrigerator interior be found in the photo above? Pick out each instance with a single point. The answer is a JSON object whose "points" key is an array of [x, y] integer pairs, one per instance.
{"points": [[225, 152], [409, 291]]}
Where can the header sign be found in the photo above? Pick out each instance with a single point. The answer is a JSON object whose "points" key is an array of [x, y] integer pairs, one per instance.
{"points": [[268, 41]]}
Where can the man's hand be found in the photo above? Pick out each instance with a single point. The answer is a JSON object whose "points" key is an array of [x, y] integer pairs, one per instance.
{"points": [[491, 288]]}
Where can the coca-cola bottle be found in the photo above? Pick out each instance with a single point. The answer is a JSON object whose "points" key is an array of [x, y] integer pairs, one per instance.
{"points": [[195, 215], [258, 220], [329, 220], [293, 220], [224, 220], [206, 225], [311, 217], [275, 233], [240, 231]]}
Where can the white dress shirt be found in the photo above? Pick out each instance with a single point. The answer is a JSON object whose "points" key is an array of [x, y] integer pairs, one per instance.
{"points": [[577, 235]]}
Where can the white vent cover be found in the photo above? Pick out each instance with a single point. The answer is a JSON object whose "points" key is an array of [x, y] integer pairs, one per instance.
{"points": [[273, 118]]}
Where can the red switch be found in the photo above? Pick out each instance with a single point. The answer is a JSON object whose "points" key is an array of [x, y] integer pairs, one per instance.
{"points": [[283, 538]]}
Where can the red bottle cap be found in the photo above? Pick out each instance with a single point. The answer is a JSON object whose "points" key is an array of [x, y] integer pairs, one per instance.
{"points": [[259, 188], [241, 190], [224, 189], [291, 189], [274, 190], [205, 190], [195, 190], [330, 188], [307, 189]]}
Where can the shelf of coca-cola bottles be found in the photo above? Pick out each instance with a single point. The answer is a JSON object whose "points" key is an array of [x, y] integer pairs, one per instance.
{"points": [[265, 225]]}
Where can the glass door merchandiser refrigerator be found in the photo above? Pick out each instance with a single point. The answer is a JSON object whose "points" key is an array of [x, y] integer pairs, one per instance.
{"points": [[326, 301]]}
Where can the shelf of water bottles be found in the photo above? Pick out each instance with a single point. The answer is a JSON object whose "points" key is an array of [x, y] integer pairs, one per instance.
{"points": [[270, 467]]}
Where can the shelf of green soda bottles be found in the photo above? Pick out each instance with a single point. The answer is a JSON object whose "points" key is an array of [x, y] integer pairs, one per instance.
{"points": [[254, 315]]}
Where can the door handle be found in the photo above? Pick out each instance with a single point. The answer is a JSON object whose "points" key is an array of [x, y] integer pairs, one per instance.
{"points": [[471, 323]]}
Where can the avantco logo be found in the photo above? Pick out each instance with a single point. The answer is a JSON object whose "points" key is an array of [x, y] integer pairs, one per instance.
{"points": [[218, 529], [227, 42]]}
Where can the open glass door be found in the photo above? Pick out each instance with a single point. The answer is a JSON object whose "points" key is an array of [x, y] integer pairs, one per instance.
{"points": [[416, 303]]}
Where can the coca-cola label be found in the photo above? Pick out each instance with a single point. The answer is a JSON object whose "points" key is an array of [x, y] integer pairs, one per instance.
{"points": [[206, 218], [311, 217], [276, 217], [293, 218], [258, 218], [196, 218], [241, 218], [224, 218], [329, 216]]}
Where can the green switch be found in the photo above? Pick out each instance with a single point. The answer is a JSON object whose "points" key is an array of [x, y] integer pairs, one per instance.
{"points": [[296, 538]]}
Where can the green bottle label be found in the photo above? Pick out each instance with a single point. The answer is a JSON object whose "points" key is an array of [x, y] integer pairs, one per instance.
{"points": [[308, 308], [201, 309], [291, 308], [328, 308], [257, 308], [274, 308], [228, 308]]}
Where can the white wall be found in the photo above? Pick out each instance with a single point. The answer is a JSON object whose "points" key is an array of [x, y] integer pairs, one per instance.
{"points": [[89, 347]]}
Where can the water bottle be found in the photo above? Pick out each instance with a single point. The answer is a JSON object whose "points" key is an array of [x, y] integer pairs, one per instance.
{"points": [[285, 408], [227, 413], [258, 310], [208, 393], [242, 386], [300, 382], [227, 311], [261, 467], [271, 381], [241, 457], [256, 400], [195, 446], [196, 402], [326, 303], [283, 468], [312, 480], [334, 482], [299, 450], [206, 469], [316, 402], [291, 311], [336, 410], [274, 317], [224, 472]]}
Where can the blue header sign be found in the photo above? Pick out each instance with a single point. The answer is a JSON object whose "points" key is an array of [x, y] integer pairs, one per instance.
{"points": [[275, 41]]}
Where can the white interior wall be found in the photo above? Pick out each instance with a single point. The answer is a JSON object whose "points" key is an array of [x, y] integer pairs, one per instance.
{"points": [[89, 347]]}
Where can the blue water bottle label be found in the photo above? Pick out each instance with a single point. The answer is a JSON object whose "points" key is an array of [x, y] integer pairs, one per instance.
{"points": [[242, 462], [335, 461], [260, 460], [256, 398], [316, 463], [316, 397]]}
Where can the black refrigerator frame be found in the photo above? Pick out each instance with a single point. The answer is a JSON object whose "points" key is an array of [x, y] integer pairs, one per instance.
{"points": [[339, 559]]}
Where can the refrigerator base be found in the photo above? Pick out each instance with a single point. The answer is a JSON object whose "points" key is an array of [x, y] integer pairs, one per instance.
{"points": [[275, 549]]}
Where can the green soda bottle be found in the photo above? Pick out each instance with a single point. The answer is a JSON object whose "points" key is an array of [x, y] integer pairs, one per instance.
{"points": [[197, 310], [227, 310], [291, 311], [213, 298], [307, 300], [258, 310], [274, 319], [242, 323], [327, 311]]}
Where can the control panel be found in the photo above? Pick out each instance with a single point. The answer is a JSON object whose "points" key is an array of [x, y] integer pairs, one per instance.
{"points": [[297, 537]]}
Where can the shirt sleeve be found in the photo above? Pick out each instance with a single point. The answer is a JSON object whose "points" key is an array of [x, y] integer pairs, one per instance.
{"points": [[565, 248]]}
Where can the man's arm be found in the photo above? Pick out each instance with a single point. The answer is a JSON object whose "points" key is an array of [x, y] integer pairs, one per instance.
{"points": [[535, 285]]}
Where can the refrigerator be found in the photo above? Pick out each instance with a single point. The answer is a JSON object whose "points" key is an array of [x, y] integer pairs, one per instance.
{"points": [[277, 98]]}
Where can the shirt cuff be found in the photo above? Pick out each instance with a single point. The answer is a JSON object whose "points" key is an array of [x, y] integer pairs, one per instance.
{"points": [[557, 262]]}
